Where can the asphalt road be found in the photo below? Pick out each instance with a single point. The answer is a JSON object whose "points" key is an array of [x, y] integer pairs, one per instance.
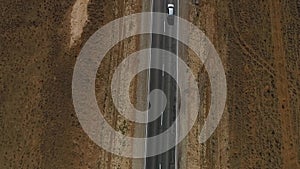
{"points": [[163, 81]]}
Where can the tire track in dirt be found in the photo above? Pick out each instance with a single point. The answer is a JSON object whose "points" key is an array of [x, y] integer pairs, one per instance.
{"points": [[247, 50]]}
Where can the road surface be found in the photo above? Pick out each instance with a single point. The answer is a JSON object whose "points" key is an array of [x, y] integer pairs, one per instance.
{"points": [[163, 81]]}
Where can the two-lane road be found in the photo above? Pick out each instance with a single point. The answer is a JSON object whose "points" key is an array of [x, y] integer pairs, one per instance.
{"points": [[163, 81]]}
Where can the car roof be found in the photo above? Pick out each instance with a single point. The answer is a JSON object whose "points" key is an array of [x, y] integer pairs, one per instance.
{"points": [[171, 11]]}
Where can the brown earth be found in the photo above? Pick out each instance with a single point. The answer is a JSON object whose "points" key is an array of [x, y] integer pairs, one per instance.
{"points": [[258, 42], [40, 41]]}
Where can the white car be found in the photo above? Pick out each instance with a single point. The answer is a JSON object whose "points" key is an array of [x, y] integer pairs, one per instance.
{"points": [[170, 9]]}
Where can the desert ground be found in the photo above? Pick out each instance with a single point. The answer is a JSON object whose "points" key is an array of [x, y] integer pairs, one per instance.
{"points": [[258, 43]]}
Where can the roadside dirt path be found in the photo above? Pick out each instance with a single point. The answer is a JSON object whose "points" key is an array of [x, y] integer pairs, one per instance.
{"points": [[289, 149]]}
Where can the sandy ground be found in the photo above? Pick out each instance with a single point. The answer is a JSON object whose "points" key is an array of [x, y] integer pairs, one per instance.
{"points": [[258, 43], [39, 45]]}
